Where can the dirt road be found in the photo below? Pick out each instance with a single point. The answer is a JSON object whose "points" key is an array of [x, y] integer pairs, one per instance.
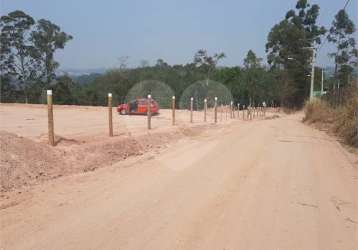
{"points": [[272, 184]]}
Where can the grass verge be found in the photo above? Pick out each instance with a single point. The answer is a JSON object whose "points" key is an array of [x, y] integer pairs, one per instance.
{"points": [[343, 120]]}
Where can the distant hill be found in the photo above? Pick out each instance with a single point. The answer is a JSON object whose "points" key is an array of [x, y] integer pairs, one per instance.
{"points": [[79, 72], [85, 79], [82, 76]]}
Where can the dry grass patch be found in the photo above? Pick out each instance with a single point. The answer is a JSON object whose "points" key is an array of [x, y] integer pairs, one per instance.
{"points": [[343, 121], [346, 124], [318, 111]]}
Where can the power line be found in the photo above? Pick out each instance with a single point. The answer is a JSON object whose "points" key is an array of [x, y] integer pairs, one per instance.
{"points": [[325, 39], [347, 2]]}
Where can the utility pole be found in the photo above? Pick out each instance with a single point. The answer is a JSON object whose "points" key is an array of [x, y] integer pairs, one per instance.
{"points": [[312, 69], [322, 83], [312, 73]]}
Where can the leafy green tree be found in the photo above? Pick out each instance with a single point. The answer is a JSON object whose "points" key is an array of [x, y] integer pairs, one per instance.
{"points": [[144, 63], [206, 62], [252, 61], [252, 76], [345, 57], [63, 90], [290, 39], [47, 38], [123, 62], [161, 63], [17, 53], [7, 90]]}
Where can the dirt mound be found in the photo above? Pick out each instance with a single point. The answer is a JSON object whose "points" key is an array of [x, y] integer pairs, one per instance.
{"points": [[26, 162], [23, 161]]}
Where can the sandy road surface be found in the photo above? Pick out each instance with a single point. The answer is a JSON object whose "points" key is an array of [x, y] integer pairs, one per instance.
{"points": [[273, 184]]}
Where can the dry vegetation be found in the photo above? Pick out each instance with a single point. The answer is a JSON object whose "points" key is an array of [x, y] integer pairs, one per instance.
{"points": [[342, 120]]}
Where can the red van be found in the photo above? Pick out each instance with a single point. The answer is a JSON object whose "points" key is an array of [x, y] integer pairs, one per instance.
{"points": [[137, 107]]}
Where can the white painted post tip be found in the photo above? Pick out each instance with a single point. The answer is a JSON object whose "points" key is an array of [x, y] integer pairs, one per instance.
{"points": [[173, 97], [49, 92], [149, 96], [205, 100], [216, 98], [191, 98], [109, 94]]}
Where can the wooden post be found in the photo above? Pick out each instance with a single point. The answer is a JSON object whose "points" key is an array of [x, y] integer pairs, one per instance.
{"points": [[216, 110], [243, 112], [225, 112], [238, 111], [191, 109], [51, 133], [149, 111], [264, 109], [260, 111], [110, 120], [205, 108], [173, 110], [231, 115]]}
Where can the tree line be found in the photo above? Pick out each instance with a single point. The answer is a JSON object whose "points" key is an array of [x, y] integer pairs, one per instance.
{"points": [[28, 66]]}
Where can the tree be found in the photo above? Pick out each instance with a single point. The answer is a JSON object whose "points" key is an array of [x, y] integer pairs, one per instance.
{"points": [[64, 90], [123, 62], [7, 90], [144, 63], [252, 76], [18, 55], [290, 39], [251, 61], [47, 38], [341, 34], [161, 63], [206, 62]]}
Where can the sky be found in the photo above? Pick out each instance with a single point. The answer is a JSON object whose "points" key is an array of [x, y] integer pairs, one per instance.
{"points": [[173, 30]]}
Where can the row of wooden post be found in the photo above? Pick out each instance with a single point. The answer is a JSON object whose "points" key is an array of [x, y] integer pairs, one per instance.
{"points": [[249, 111], [205, 109]]}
